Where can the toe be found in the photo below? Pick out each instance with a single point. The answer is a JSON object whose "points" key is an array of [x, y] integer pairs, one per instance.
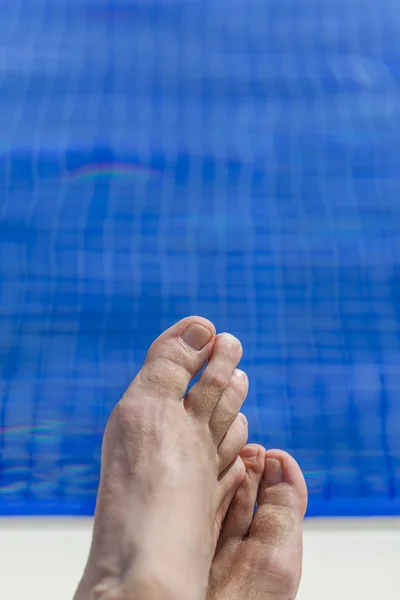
{"points": [[277, 524], [229, 482], [233, 442], [241, 509], [176, 357], [282, 494], [215, 379], [229, 405]]}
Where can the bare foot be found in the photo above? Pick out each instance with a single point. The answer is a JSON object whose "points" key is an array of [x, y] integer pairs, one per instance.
{"points": [[157, 516], [260, 556]]}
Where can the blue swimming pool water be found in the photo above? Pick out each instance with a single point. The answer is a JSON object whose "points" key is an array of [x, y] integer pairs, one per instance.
{"points": [[236, 159]]}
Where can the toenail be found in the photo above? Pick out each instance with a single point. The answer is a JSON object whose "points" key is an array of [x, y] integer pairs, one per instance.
{"points": [[273, 473], [243, 418], [240, 374], [249, 452], [196, 336]]}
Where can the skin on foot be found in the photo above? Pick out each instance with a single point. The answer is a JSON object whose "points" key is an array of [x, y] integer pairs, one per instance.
{"points": [[168, 464], [259, 556]]}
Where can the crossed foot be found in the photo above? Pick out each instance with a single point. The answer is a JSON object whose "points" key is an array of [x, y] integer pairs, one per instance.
{"points": [[175, 497]]}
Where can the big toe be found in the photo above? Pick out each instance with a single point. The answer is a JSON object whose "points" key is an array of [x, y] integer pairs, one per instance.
{"points": [[277, 525], [175, 357]]}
